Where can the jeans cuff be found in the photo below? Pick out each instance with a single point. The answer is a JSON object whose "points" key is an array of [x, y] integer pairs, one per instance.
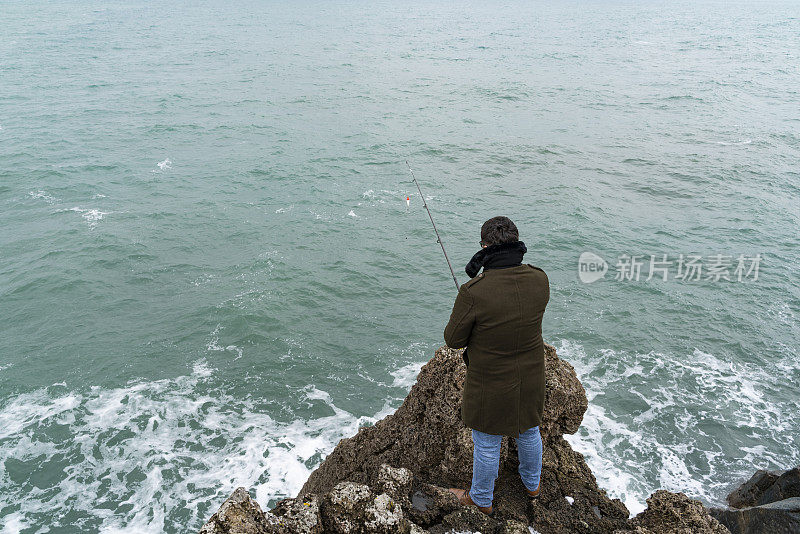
{"points": [[539, 483], [471, 496]]}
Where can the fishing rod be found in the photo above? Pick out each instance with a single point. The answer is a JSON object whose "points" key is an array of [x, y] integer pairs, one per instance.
{"points": [[438, 239]]}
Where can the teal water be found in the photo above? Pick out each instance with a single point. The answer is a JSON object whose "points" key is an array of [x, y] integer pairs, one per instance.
{"points": [[209, 275]]}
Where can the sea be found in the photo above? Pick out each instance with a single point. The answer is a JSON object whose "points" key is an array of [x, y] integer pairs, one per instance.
{"points": [[214, 264]]}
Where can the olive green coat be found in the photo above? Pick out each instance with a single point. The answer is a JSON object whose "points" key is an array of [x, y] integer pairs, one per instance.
{"points": [[498, 316]]}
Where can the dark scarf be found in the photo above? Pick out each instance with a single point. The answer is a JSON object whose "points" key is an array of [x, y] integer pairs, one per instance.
{"points": [[496, 257]]}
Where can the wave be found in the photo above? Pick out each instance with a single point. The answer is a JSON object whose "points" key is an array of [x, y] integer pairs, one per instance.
{"points": [[153, 456], [734, 143], [655, 420], [44, 195], [91, 215]]}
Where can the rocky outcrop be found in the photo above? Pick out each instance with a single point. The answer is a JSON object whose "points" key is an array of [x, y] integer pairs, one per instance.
{"points": [[750, 493], [675, 513], [426, 436], [766, 487], [392, 477], [242, 515], [780, 517], [767, 503]]}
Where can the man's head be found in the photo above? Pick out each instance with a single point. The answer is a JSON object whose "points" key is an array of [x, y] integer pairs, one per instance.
{"points": [[498, 230]]}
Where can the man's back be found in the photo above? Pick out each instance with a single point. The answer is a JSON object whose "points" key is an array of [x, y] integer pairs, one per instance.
{"points": [[498, 315]]}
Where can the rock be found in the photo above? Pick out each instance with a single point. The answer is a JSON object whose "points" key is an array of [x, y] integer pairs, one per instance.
{"points": [[351, 508], [780, 517], [765, 487], [515, 527], [416, 436], [343, 507], [748, 493], [426, 436], [564, 472], [467, 519], [768, 502], [675, 513], [242, 515], [395, 482], [384, 515], [429, 504], [565, 399], [300, 516], [786, 486]]}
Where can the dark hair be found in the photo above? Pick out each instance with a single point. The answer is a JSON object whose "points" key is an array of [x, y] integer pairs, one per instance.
{"points": [[499, 230]]}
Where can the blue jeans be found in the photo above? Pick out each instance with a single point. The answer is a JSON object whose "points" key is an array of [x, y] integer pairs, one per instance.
{"points": [[486, 463]]}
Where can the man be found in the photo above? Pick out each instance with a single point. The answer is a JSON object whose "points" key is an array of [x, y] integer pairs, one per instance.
{"points": [[498, 316]]}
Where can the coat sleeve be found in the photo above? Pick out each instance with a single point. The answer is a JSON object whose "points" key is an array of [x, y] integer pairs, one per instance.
{"points": [[459, 328]]}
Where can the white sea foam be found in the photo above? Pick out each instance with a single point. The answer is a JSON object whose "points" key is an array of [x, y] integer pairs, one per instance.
{"points": [[782, 312], [203, 279], [382, 195], [92, 216], [406, 376], [162, 166], [43, 195], [213, 345], [167, 452], [28, 408], [658, 437], [14, 523], [352, 214], [589, 441], [791, 364], [734, 143]]}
